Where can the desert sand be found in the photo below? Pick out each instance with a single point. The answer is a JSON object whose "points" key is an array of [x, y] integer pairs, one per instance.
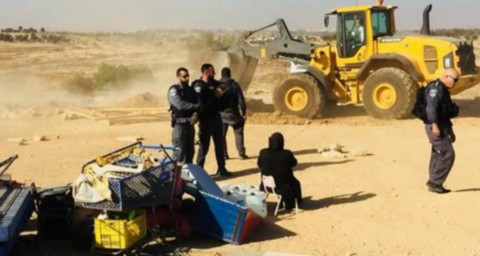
{"points": [[358, 205]]}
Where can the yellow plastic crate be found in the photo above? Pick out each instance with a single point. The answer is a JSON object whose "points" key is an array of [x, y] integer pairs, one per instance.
{"points": [[120, 234]]}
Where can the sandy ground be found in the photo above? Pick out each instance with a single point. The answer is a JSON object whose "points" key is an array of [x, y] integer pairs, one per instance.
{"points": [[372, 205]]}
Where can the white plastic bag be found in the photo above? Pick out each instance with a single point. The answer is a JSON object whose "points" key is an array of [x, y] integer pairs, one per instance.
{"points": [[89, 189]]}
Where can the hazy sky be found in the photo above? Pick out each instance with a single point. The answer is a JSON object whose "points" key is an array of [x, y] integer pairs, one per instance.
{"points": [[130, 15]]}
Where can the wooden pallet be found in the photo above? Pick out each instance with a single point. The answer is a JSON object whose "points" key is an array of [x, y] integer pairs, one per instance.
{"points": [[119, 116]]}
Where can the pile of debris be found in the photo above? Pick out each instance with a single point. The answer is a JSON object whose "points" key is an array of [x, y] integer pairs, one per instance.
{"points": [[257, 105], [141, 108], [36, 138], [143, 100], [118, 116], [339, 151]]}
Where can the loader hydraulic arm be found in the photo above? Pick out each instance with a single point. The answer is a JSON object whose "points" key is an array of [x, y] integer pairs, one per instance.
{"points": [[285, 46], [242, 57]]}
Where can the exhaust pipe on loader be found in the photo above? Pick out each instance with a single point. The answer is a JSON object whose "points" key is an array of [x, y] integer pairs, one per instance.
{"points": [[426, 20]]}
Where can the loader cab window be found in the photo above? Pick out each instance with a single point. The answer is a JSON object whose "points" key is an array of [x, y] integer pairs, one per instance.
{"points": [[381, 23], [350, 33]]}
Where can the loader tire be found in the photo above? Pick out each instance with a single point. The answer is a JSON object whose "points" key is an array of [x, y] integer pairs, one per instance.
{"points": [[389, 93], [300, 95]]}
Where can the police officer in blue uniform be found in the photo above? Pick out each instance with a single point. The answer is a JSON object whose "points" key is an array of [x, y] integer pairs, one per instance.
{"points": [[233, 112], [438, 126], [210, 125], [184, 105]]}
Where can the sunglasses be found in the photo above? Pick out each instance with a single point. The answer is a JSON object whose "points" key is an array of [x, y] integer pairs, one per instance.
{"points": [[455, 79], [185, 76]]}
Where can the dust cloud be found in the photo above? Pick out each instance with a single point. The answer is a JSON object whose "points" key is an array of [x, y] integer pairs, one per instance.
{"points": [[29, 90]]}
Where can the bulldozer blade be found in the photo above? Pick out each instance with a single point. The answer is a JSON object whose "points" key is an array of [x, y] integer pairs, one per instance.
{"points": [[243, 67]]}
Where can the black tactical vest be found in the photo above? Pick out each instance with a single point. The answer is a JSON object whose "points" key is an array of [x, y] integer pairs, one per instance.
{"points": [[186, 94]]}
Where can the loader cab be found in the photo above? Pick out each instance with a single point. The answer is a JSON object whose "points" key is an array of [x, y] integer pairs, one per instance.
{"points": [[358, 28], [350, 33]]}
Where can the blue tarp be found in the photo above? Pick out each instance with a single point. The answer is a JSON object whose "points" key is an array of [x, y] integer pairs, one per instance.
{"points": [[13, 204], [16, 207]]}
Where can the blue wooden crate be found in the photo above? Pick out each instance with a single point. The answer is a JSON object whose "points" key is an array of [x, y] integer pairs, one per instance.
{"points": [[222, 219], [16, 207]]}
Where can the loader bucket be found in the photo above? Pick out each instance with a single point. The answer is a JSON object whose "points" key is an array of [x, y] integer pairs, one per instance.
{"points": [[243, 67]]}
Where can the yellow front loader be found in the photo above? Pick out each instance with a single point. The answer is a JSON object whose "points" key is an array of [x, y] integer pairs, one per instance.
{"points": [[370, 64]]}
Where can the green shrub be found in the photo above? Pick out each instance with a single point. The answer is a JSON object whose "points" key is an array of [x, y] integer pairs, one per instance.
{"points": [[80, 84], [110, 77], [55, 38], [107, 77]]}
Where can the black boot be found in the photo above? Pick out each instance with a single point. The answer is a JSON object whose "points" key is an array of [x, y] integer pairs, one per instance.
{"points": [[439, 189], [223, 173]]}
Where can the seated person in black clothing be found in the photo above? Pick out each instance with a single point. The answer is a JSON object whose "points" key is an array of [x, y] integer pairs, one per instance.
{"points": [[278, 162]]}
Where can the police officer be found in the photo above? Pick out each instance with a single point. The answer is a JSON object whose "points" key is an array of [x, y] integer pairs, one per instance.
{"points": [[439, 110], [210, 124], [184, 105], [233, 112]]}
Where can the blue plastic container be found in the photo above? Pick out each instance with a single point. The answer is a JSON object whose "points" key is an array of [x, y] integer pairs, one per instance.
{"points": [[16, 207]]}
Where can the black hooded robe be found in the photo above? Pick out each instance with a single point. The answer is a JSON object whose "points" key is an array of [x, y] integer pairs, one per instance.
{"points": [[279, 162]]}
